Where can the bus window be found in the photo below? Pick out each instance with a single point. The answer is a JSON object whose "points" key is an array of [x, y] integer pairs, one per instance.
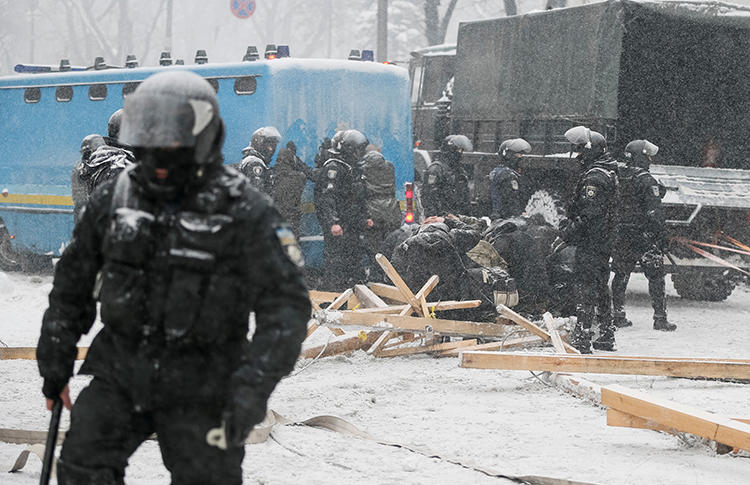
{"points": [[245, 85], [97, 92], [32, 95], [128, 88], [64, 93], [214, 83]]}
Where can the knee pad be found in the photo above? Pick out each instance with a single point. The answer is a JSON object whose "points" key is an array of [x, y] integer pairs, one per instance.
{"points": [[70, 474]]}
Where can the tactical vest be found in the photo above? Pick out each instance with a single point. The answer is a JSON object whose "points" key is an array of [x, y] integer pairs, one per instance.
{"points": [[175, 274]]}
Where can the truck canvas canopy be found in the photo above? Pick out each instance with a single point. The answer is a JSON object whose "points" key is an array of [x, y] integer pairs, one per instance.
{"points": [[675, 73]]}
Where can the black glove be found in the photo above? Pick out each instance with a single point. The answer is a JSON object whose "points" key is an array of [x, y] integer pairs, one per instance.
{"points": [[53, 387], [246, 408]]}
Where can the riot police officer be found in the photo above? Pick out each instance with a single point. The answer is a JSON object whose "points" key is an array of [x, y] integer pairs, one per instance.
{"points": [[506, 190], [186, 249], [288, 178], [256, 157], [340, 203], [107, 160], [446, 182], [79, 188], [588, 227], [640, 234]]}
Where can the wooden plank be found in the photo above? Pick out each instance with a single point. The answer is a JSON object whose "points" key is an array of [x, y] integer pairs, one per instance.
{"points": [[403, 338], [557, 341], [387, 291], [528, 325], [340, 300], [418, 324], [368, 298], [432, 306], [403, 288], [353, 303], [421, 298], [508, 344], [625, 420], [596, 364], [378, 345], [29, 353], [323, 296], [340, 346], [679, 417], [426, 348], [311, 329]]}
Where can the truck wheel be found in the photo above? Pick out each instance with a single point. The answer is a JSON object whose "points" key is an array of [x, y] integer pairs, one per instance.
{"points": [[548, 205], [702, 285], [8, 259]]}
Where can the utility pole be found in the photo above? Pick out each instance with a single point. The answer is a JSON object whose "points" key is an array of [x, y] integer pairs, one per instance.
{"points": [[168, 45], [32, 40], [329, 16], [382, 55]]}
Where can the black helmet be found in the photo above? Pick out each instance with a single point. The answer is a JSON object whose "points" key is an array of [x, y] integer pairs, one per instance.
{"points": [[640, 153], [113, 125], [352, 145], [172, 122], [89, 145], [590, 144], [513, 148], [264, 141]]}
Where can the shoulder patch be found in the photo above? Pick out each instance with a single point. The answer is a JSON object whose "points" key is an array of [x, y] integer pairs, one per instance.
{"points": [[431, 179], [290, 245], [258, 170], [590, 191], [332, 174], [655, 190], [514, 184]]}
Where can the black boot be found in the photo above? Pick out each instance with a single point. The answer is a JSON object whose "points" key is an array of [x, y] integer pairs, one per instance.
{"points": [[661, 323], [581, 339], [606, 340], [621, 321]]}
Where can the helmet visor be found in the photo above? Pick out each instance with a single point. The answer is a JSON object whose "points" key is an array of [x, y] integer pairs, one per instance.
{"points": [[164, 121]]}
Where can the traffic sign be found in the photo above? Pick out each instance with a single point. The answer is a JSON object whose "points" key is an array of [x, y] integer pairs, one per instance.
{"points": [[242, 8]]}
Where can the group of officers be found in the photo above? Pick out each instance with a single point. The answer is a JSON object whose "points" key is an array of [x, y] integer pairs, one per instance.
{"points": [[615, 213]]}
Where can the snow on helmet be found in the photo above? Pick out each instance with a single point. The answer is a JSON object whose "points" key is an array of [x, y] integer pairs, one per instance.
{"points": [[457, 144], [589, 143], [113, 125], [264, 141], [352, 146], [640, 152], [514, 146]]}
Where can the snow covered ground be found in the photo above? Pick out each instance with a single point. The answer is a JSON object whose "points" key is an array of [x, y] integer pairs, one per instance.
{"points": [[507, 422]]}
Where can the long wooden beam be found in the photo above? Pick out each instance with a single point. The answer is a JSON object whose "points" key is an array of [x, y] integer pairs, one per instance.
{"points": [[439, 306], [368, 299], [29, 353], [422, 349], [387, 291], [679, 417], [508, 344], [417, 324], [340, 346], [595, 364], [625, 420], [322, 296], [391, 272], [531, 327]]}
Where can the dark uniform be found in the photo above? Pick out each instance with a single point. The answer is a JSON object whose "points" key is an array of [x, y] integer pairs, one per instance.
{"points": [[640, 237], [445, 181], [589, 225], [382, 205], [185, 249], [506, 188], [288, 178], [79, 187], [257, 156], [339, 200], [256, 170]]}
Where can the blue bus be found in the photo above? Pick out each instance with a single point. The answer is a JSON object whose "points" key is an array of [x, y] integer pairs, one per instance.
{"points": [[44, 117]]}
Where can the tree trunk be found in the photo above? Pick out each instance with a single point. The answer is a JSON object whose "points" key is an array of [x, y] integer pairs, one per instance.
{"points": [[510, 7], [435, 28]]}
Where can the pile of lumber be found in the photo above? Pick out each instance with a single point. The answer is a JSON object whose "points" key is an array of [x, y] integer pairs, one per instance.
{"points": [[393, 320]]}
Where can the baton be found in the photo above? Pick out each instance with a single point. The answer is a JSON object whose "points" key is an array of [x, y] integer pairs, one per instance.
{"points": [[49, 448]]}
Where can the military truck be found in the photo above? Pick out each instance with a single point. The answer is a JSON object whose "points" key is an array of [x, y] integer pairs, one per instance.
{"points": [[675, 73]]}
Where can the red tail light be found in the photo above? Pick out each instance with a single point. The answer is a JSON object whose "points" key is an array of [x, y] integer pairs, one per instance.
{"points": [[409, 195]]}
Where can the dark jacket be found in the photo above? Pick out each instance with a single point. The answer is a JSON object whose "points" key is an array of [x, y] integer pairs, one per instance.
{"points": [[178, 282], [445, 189], [340, 197], [506, 193], [592, 208], [380, 182], [640, 214], [288, 178], [256, 169]]}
